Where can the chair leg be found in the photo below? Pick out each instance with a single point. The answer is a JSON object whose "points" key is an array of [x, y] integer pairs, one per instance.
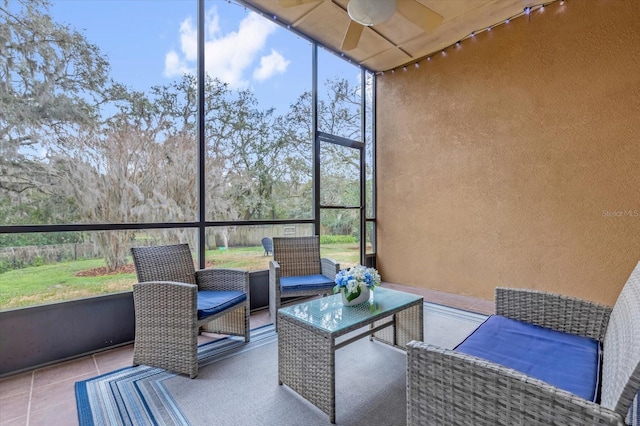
{"points": [[194, 372], [274, 305], [273, 296], [247, 324]]}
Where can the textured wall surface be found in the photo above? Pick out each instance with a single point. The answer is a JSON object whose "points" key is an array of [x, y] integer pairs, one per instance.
{"points": [[514, 160]]}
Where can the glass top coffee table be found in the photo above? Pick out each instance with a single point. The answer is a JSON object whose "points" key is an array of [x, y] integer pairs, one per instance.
{"points": [[307, 334]]}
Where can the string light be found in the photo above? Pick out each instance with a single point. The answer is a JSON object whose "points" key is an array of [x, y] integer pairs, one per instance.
{"points": [[526, 11]]}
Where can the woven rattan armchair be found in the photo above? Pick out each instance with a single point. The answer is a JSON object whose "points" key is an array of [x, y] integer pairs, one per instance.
{"points": [[173, 302], [447, 387], [298, 270]]}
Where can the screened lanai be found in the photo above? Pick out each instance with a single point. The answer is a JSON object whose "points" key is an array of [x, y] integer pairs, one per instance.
{"points": [[494, 145]]}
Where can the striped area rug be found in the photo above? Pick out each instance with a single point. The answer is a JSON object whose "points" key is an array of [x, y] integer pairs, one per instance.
{"points": [[136, 395], [633, 418]]}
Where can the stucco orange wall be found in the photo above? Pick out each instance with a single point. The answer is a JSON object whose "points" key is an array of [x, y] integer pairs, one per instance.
{"points": [[514, 160]]}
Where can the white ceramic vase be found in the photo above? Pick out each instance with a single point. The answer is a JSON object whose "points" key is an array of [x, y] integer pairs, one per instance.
{"points": [[364, 296]]}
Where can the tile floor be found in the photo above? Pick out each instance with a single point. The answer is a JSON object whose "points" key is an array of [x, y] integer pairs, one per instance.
{"points": [[46, 396]]}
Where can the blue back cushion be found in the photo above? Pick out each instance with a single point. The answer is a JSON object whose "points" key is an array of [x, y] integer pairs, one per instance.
{"points": [[564, 360], [212, 302], [305, 282]]}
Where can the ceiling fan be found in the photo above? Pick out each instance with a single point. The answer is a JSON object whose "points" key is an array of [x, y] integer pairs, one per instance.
{"points": [[367, 13]]}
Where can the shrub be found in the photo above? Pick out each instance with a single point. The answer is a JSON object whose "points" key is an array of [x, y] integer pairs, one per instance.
{"points": [[337, 239]]}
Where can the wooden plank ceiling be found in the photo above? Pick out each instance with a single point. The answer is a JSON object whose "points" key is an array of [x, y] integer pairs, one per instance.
{"points": [[397, 41]]}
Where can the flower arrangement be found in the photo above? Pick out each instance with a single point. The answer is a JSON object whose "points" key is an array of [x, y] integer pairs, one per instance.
{"points": [[352, 281]]}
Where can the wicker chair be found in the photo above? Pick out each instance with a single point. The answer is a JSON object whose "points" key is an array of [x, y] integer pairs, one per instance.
{"points": [[173, 301], [298, 270], [453, 388]]}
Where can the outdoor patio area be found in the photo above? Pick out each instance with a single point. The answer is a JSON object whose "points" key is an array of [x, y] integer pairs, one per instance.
{"points": [[46, 396], [212, 162]]}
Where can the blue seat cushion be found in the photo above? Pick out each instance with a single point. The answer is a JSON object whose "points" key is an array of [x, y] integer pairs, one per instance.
{"points": [[211, 302], [563, 360], [305, 282]]}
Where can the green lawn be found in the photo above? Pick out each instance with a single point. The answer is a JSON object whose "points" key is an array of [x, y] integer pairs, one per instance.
{"points": [[57, 282], [51, 283]]}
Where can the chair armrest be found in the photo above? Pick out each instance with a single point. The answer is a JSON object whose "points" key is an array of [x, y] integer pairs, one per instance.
{"points": [[166, 299], [166, 325], [329, 267], [223, 279], [274, 272], [448, 387], [555, 311], [274, 289]]}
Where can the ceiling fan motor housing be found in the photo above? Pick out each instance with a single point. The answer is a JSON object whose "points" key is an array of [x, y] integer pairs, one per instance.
{"points": [[368, 12]]}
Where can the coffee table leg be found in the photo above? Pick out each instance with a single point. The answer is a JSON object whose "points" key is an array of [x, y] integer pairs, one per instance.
{"points": [[409, 325], [306, 364]]}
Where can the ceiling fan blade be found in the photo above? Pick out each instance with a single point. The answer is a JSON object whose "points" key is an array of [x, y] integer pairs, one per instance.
{"points": [[292, 3], [419, 14], [352, 36]]}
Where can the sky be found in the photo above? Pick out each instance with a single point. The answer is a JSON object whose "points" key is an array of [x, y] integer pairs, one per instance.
{"points": [[151, 42]]}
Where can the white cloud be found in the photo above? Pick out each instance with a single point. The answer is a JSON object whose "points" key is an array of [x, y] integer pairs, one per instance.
{"points": [[174, 66], [212, 25], [270, 65], [189, 40], [227, 56]]}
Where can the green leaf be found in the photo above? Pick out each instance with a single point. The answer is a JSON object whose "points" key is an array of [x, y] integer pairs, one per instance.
{"points": [[351, 296]]}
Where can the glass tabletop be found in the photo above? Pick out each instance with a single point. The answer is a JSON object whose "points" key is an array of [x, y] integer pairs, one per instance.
{"points": [[329, 314]]}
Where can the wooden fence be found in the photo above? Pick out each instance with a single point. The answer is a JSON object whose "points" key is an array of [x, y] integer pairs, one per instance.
{"points": [[248, 236], [234, 236], [52, 253]]}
